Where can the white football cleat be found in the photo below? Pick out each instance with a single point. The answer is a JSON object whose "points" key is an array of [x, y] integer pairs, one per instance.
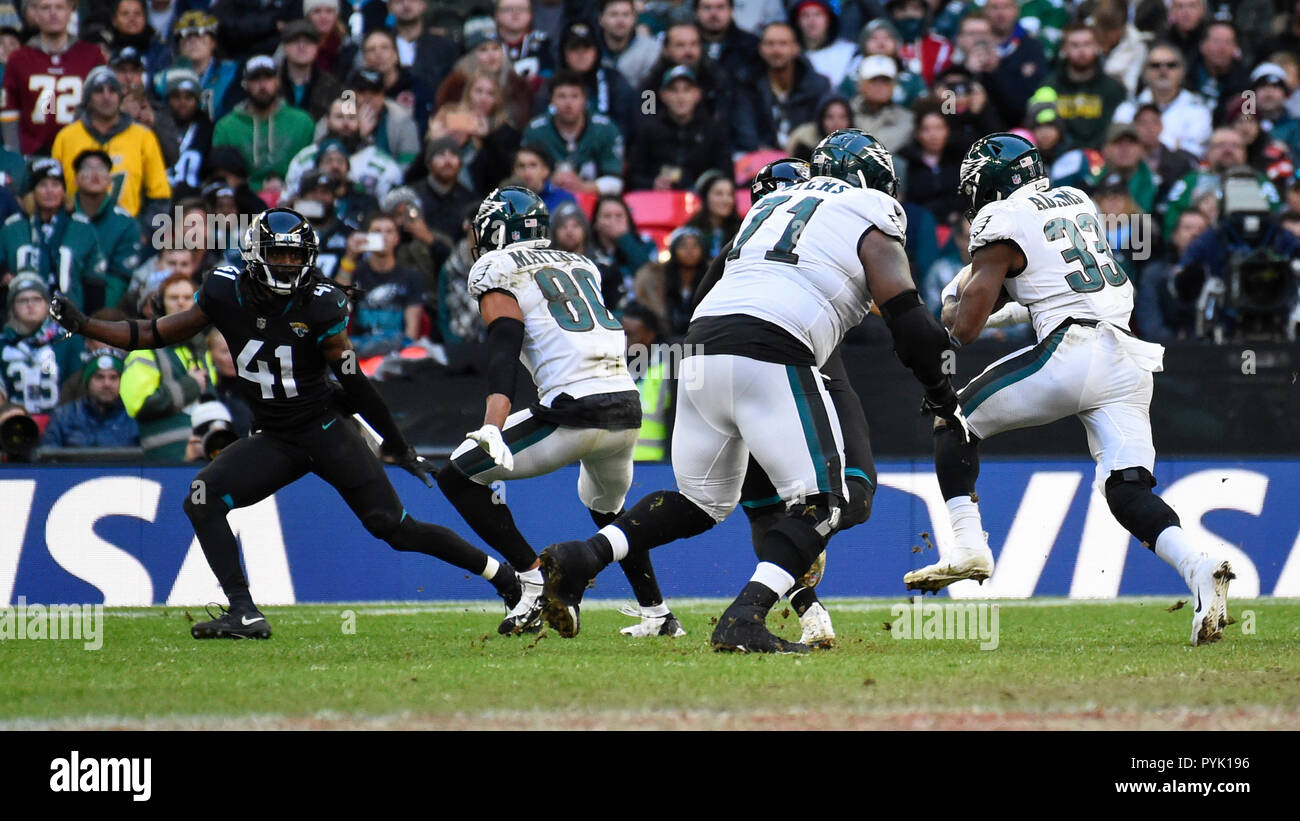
{"points": [[958, 565], [1209, 583], [665, 625], [817, 630], [526, 617]]}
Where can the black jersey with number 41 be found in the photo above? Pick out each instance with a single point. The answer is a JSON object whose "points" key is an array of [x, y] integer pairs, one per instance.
{"points": [[281, 372]]}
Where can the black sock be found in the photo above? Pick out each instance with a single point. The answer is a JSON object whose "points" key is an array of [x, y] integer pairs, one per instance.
{"points": [[801, 598], [659, 518], [219, 548], [956, 462], [435, 540], [602, 519], [757, 594], [241, 601], [487, 516], [504, 579], [641, 575]]}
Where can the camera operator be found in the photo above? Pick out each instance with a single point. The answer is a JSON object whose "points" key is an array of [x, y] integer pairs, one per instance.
{"points": [[98, 419], [212, 433], [1166, 295], [18, 433], [1249, 264]]}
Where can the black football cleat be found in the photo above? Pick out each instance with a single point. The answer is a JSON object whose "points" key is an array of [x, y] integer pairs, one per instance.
{"points": [[509, 589], [569, 568], [247, 623], [743, 629]]}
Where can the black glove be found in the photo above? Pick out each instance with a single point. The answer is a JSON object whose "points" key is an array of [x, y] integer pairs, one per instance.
{"points": [[942, 402], [67, 314], [411, 462]]}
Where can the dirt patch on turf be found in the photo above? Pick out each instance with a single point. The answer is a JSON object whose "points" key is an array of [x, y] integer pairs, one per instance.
{"points": [[1244, 719]]}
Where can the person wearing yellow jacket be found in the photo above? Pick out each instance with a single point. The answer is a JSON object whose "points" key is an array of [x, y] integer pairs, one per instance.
{"points": [[158, 386]]}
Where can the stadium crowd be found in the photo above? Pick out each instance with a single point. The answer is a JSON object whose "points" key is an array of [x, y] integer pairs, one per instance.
{"points": [[140, 136]]}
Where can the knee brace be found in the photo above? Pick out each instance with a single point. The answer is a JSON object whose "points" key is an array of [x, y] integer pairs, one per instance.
{"points": [[822, 513], [1141, 512], [956, 462], [858, 510]]}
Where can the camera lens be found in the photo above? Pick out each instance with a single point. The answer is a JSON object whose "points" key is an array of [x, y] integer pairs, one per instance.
{"points": [[18, 437]]}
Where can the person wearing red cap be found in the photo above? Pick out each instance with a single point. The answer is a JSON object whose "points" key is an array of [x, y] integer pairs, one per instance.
{"points": [[818, 29]]}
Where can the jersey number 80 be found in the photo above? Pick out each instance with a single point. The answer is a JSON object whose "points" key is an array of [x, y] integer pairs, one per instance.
{"points": [[576, 307]]}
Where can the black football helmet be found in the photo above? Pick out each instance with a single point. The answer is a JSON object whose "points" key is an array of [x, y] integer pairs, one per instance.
{"points": [[857, 158], [778, 174], [997, 165], [280, 228], [506, 216]]}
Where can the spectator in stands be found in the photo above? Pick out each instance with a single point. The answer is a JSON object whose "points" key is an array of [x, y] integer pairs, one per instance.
{"points": [[265, 130], [880, 37], [1185, 116], [1165, 307], [337, 50], [484, 54], [315, 201], [419, 246], [195, 38], [36, 356], [388, 316], [117, 235], [570, 230], [369, 166], [191, 133], [726, 43], [1168, 164], [1123, 155], [818, 30], [1264, 152], [1218, 74], [250, 27], [753, 15], [717, 220], [400, 84], [303, 84], [459, 320], [382, 121], [588, 149], [622, 45], [128, 66], [932, 165], [966, 101], [653, 380], [53, 241], [227, 390], [143, 189], [1020, 66], [954, 254], [1186, 27], [789, 91], [131, 29], [227, 165], [429, 56], [922, 52], [723, 94], [1086, 98], [441, 196], [835, 113], [874, 109], [617, 249], [668, 288], [1227, 149], [98, 419], [495, 137], [36, 107], [530, 50], [1123, 48], [608, 93], [1119, 213], [533, 166], [350, 201], [680, 142], [1269, 82]]}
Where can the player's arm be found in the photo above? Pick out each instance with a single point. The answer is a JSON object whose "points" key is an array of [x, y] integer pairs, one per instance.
{"points": [[919, 340], [975, 301], [505, 339], [365, 400], [712, 275], [131, 334]]}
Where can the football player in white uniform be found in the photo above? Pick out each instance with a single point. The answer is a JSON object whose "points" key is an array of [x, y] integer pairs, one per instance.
{"points": [[543, 306], [805, 267], [1045, 248]]}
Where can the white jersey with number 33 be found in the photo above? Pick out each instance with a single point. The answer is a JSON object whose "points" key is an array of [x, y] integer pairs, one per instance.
{"points": [[795, 261], [1070, 270], [572, 343]]}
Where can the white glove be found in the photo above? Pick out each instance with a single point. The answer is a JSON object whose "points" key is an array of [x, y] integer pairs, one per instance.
{"points": [[489, 438]]}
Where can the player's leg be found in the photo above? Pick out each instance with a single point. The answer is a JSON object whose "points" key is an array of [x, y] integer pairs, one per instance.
{"points": [[1119, 438], [243, 474], [809, 478], [341, 457], [604, 477], [1032, 386], [708, 461]]}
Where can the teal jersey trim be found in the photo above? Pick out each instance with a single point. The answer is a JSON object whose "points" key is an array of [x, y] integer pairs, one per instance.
{"points": [[1019, 374], [809, 429]]}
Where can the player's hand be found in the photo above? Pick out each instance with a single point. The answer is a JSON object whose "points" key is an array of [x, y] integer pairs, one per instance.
{"points": [[942, 402], [489, 438], [66, 313], [411, 462]]}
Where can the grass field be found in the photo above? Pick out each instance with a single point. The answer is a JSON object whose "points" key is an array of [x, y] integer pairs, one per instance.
{"points": [[1058, 664]]}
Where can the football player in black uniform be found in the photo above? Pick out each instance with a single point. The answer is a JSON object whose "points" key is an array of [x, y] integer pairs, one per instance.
{"points": [[758, 497], [285, 324]]}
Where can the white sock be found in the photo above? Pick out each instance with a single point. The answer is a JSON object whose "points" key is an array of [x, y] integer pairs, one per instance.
{"points": [[1173, 546], [490, 571], [967, 527], [533, 576], [617, 541], [658, 611], [773, 577]]}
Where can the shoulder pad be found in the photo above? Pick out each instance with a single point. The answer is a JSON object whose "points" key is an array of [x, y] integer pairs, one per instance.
{"points": [[995, 221], [494, 270]]}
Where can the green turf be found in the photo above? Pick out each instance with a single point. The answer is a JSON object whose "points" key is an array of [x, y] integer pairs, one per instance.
{"points": [[1129, 656]]}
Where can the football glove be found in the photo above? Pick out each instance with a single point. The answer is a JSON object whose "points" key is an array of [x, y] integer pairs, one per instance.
{"points": [[489, 438], [942, 402], [413, 463], [66, 313]]}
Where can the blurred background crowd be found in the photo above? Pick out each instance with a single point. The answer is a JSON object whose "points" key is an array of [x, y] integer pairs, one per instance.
{"points": [[140, 135]]}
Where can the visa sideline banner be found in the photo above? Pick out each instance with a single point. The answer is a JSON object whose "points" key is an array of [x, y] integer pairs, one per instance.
{"points": [[118, 536]]}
